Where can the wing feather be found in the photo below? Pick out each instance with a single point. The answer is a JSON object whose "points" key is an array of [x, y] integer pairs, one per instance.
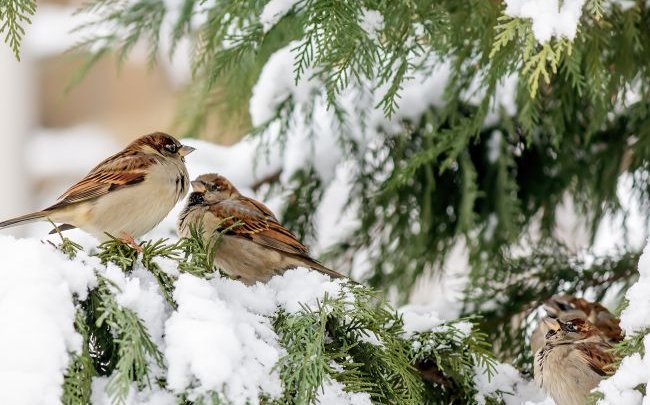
{"points": [[256, 224], [116, 172], [597, 355]]}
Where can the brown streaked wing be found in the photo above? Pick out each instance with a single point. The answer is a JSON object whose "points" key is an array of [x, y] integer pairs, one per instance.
{"points": [[597, 356], [116, 172], [256, 226], [259, 206]]}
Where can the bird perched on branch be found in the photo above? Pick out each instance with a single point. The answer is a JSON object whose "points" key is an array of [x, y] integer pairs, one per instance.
{"points": [[572, 361], [126, 195], [255, 246], [567, 307]]}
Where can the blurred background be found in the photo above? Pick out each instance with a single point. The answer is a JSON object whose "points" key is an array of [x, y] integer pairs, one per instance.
{"points": [[64, 125]]}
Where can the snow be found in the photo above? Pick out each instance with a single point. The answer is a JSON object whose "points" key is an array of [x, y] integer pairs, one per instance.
{"points": [[276, 83], [135, 397], [273, 12], [333, 394], [550, 18], [494, 146], [418, 318], [37, 317], [221, 338], [141, 294], [372, 22], [301, 287], [507, 383], [636, 317], [634, 369], [217, 345]]}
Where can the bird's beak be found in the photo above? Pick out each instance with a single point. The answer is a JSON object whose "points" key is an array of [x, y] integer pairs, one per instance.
{"points": [[186, 150], [198, 186], [551, 324]]}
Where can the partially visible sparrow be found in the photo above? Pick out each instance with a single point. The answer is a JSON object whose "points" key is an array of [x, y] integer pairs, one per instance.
{"points": [[255, 246], [566, 307], [572, 361], [598, 315], [126, 195]]}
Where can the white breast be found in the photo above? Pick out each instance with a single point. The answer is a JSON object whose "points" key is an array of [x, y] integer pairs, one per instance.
{"points": [[565, 377], [137, 209]]}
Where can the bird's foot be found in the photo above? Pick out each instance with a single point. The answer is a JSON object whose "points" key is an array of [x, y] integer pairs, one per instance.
{"points": [[128, 240]]}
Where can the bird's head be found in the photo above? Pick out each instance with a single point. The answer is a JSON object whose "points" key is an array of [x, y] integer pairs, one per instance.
{"points": [[568, 330], [213, 187], [162, 145]]}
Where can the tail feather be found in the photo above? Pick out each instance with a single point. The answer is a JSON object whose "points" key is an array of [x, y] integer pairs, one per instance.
{"points": [[25, 219], [314, 265]]}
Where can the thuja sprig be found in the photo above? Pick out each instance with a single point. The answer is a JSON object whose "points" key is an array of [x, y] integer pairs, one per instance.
{"points": [[117, 252], [160, 248], [77, 382], [198, 252], [67, 246], [14, 14], [351, 339], [135, 349]]}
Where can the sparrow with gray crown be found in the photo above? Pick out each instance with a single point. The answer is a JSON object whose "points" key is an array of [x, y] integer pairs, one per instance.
{"points": [[255, 246], [126, 195]]}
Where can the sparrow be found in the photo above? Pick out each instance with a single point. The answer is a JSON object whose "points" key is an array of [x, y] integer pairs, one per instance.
{"points": [[255, 246], [124, 196], [572, 361], [565, 307], [598, 315]]}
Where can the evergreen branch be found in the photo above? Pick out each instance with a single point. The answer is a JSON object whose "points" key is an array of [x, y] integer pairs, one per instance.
{"points": [[77, 382], [200, 250], [135, 349], [449, 357], [14, 14], [117, 252], [67, 246], [151, 250]]}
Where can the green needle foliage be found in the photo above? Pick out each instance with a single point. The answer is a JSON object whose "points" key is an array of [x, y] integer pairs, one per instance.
{"points": [[354, 338], [134, 348], [14, 15]]}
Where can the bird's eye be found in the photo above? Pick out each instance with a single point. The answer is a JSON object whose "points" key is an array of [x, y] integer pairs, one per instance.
{"points": [[570, 327], [171, 148]]}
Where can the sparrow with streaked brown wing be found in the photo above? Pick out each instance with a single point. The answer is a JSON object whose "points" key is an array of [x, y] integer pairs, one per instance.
{"points": [[572, 361], [255, 246], [565, 307], [126, 195], [598, 315]]}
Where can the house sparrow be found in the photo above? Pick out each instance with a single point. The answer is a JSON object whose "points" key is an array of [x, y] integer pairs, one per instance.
{"points": [[572, 361], [566, 307], [126, 195], [255, 246], [598, 315]]}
